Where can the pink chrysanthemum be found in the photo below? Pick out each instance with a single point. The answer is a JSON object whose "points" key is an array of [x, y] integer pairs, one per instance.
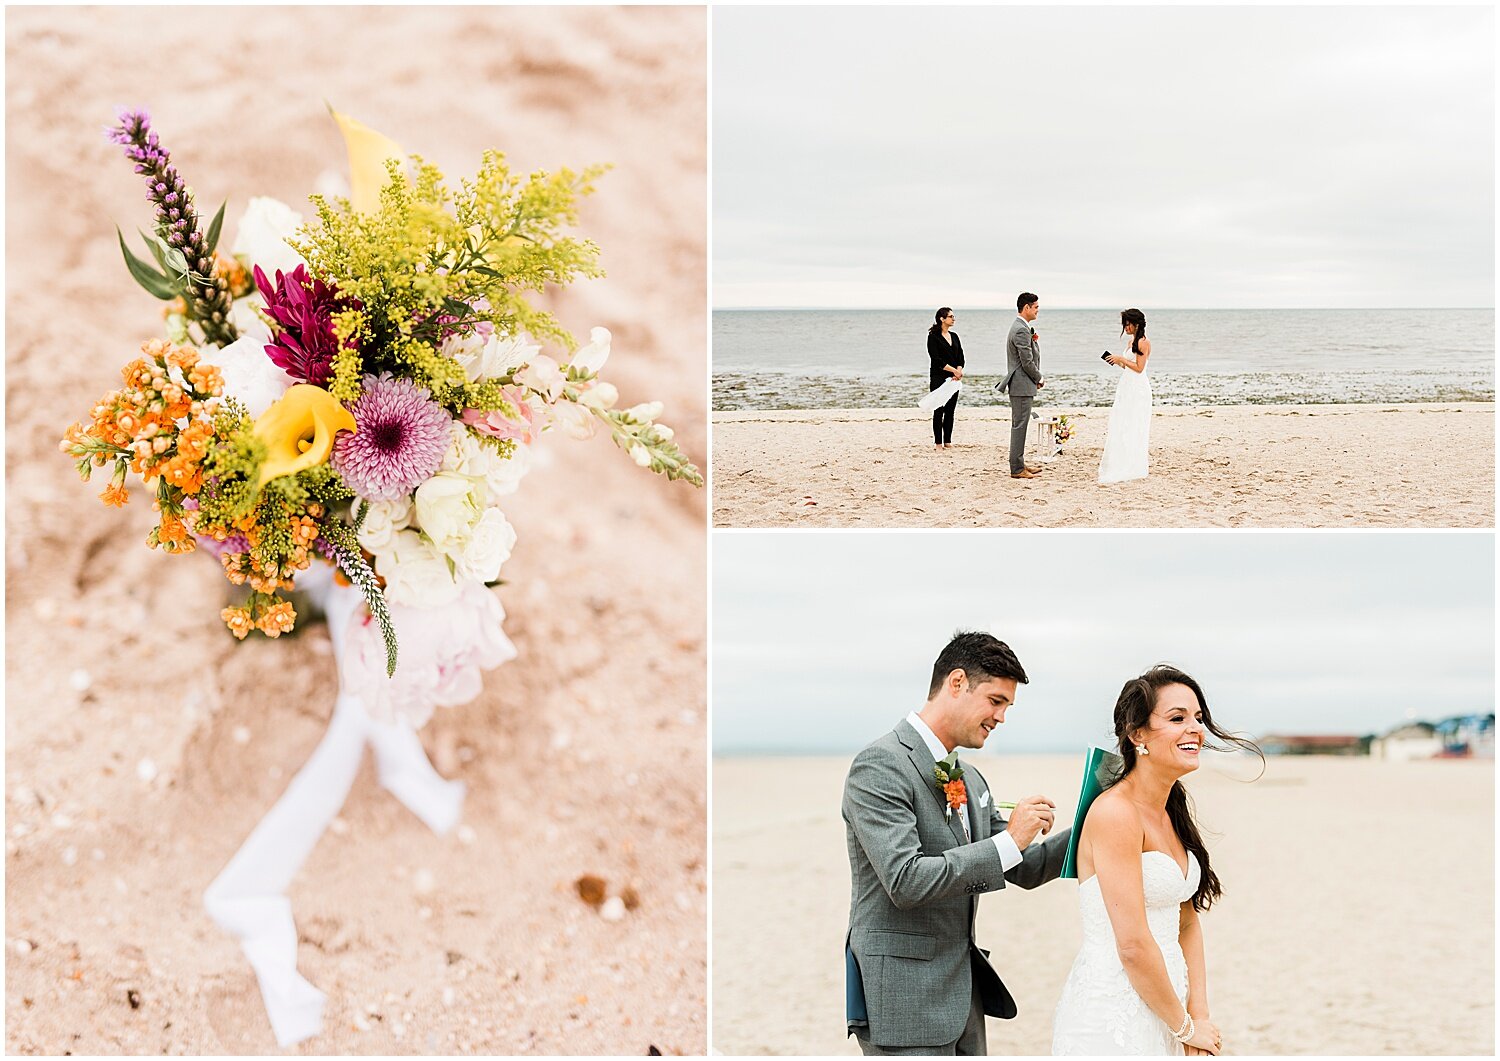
{"points": [[400, 439]]}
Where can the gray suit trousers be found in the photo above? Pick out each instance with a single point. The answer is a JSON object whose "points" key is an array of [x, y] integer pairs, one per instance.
{"points": [[972, 1043], [1020, 423]]}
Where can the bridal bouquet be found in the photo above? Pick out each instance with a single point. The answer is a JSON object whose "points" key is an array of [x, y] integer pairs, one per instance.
{"points": [[360, 389]]}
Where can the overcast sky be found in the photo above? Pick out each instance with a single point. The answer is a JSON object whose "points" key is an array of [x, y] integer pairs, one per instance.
{"points": [[821, 642], [1169, 156]]}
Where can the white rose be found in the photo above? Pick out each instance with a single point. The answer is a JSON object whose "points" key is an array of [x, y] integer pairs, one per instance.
{"points": [[383, 519], [244, 318], [415, 573], [489, 547], [504, 474], [249, 375], [447, 509], [591, 358], [544, 376], [263, 234], [466, 454]]}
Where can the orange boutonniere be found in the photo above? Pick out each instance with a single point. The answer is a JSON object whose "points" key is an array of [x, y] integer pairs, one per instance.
{"points": [[1033, 335], [950, 781], [957, 794]]}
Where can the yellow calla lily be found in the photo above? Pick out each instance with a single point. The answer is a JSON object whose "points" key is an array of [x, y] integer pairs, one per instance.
{"points": [[298, 430], [368, 151]]}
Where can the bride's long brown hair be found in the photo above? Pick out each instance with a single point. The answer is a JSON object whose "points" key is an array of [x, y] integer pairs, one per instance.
{"points": [[1132, 714], [1136, 317]]}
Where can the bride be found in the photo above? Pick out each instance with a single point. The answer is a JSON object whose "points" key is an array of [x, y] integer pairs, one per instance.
{"points": [[1139, 984], [1128, 437]]}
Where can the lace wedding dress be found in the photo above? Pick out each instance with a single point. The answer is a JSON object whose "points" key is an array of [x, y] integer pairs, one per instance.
{"points": [[1099, 1012], [1127, 440]]}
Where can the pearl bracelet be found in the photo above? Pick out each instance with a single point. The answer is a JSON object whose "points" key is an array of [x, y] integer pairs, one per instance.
{"points": [[1185, 1033]]}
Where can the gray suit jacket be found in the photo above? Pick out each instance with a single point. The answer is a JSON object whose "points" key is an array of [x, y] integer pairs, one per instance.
{"points": [[914, 892], [1023, 361]]}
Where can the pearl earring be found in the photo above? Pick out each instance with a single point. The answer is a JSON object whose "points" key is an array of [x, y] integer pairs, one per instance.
{"points": [[1141, 749]]}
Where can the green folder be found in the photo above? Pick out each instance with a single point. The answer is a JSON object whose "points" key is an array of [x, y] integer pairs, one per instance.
{"points": [[1100, 767]]}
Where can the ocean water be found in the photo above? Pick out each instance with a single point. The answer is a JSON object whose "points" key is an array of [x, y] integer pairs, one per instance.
{"points": [[877, 359]]}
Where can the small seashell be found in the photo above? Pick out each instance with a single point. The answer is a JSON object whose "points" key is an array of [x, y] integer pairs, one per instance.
{"points": [[590, 889], [146, 770], [449, 996], [80, 680], [23, 946], [241, 734], [613, 909]]}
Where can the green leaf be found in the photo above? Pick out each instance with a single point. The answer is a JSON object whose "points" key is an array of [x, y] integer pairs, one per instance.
{"points": [[155, 247], [213, 228], [154, 283]]}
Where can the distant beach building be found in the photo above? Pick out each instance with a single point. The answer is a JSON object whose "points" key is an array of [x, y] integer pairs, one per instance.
{"points": [[1314, 744], [1459, 737], [1467, 737], [1417, 740]]}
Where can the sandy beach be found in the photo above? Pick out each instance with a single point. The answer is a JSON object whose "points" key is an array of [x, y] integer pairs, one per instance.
{"points": [[143, 742], [1357, 917], [1429, 465]]}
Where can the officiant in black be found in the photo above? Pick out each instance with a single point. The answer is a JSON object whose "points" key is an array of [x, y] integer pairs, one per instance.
{"points": [[946, 354]]}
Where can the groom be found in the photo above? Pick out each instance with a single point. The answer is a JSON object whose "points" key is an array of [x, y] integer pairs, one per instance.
{"points": [[1023, 362], [920, 854]]}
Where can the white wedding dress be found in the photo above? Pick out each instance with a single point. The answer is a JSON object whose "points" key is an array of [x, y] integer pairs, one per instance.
{"points": [[1099, 1012], [1127, 440]]}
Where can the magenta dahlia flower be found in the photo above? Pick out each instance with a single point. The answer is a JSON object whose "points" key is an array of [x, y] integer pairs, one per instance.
{"points": [[303, 310], [399, 441]]}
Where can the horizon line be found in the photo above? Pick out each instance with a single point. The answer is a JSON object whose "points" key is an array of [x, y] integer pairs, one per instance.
{"points": [[923, 308]]}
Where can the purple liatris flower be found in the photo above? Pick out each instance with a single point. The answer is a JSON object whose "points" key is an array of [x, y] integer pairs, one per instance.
{"points": [[400, 440], [206, 295], [303, 309]]}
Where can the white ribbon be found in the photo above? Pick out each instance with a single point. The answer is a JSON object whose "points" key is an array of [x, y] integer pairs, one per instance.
{"points": [[938, 397], [248, 899]]}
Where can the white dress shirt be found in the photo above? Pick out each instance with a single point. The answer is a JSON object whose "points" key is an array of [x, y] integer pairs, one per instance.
{"points": [[1010, 854]]}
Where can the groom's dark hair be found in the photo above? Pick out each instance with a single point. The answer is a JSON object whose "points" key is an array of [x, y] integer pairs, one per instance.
{"points": [[979, 655], [1024, 299]]}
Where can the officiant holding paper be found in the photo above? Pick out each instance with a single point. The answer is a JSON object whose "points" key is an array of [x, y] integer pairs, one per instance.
{"points": [[946, 355]]}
